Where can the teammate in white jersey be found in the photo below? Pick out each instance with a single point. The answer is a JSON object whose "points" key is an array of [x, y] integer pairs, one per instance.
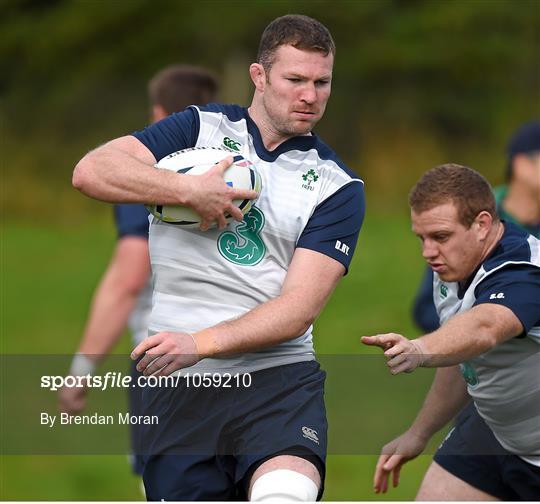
{"points": [[241, 301], [124, 294], [487, 293]]}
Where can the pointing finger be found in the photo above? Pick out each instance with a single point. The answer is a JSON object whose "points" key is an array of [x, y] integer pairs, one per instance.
{"points": [[370, 340], [383, 341]]}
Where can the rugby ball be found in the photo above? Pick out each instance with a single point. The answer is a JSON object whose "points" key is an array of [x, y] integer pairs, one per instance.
{"points": [[196, 161]]}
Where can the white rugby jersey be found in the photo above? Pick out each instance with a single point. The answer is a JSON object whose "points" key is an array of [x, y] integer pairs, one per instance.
{"points": [[309, 199], [505, 381], [139, 318]]}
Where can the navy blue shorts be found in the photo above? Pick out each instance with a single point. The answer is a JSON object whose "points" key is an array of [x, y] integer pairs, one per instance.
{"points": [[209, 441], [472, 453]]}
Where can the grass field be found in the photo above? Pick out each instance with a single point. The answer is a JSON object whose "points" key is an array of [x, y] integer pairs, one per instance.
{"points": [[48, 276]]}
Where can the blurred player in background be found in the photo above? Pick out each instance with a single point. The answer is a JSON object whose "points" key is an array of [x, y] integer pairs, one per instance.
{"points": [[487, 293], [518, 201], [242, 301], [124, 294]]}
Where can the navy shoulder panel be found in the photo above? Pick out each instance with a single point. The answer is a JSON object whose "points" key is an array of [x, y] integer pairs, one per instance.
{"points": [[176, 132], [131, 220], [516, 287], [334, 227], [513, 247]]}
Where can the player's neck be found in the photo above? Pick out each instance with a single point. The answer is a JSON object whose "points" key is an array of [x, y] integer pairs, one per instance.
{"points": [[271, 138], [494, 237], [522, 204]]}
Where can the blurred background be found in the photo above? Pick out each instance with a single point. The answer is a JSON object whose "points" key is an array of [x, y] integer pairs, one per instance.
{"points": [[416, 83]]}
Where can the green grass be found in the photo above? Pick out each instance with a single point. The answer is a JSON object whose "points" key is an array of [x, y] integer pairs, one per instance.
{"points": [[48, 276]]}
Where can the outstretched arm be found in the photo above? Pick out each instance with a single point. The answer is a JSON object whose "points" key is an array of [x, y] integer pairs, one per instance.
{"points": [[446, 397], [463, 337], [311, 278]]}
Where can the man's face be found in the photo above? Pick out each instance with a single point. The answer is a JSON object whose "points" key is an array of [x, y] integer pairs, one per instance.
{"points": [[527, 172], [451, 250], [297, 88]]}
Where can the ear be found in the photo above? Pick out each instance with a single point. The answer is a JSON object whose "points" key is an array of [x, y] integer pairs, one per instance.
{"points": [[258, 76], [158, 113], [482, 224]]}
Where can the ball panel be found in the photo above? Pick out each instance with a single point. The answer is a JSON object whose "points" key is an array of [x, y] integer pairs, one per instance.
{"points": [[196, 161]]}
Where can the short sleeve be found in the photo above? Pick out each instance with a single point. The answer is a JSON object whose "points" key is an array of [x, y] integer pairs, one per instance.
{"points": [[517, 287], [424, 311], [176, 132], [131, 220], [335, 224]]}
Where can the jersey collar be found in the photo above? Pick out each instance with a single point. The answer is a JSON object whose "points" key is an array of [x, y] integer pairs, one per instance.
{"points": [[301, 143]]}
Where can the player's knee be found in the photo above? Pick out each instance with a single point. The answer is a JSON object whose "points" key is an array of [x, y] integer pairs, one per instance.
{"points": [[284, 485]]}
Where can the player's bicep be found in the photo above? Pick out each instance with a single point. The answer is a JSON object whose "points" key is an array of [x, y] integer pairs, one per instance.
{"points": [[500, 320], [131, 263], [131, 146]]}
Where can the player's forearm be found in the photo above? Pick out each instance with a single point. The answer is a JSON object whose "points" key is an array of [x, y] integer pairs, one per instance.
{"points": [[108, 318], [446, 397], [112, 173], [468, 335], [278, 320]]}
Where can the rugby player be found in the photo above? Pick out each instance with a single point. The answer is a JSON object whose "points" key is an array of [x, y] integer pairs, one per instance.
{"points": [[242, 300], [487, 295]]}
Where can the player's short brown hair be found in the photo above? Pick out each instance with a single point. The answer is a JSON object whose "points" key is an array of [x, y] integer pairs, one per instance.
{"points": [[178, 86], [302, 32], [469, 191]]}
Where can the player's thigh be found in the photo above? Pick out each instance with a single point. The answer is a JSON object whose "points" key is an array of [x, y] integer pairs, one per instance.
{"points": [[440, 485], [284, 426]]}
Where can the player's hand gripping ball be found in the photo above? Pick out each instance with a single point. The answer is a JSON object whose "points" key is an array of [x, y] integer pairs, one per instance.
{"points": [[196, 161]]}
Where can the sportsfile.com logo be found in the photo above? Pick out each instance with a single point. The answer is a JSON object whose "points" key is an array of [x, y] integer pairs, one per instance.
{"points": [[310, 434]]}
